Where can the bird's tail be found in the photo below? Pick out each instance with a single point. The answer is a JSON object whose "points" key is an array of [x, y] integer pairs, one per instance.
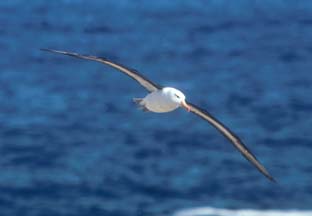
{"points": [[139, 102]]}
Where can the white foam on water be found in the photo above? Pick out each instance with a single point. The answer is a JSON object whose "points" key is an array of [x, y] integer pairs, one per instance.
{"points": [[210, 211]]}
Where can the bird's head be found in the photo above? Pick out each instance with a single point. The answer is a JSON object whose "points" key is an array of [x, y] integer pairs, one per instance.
{"points": [[178, 97]]}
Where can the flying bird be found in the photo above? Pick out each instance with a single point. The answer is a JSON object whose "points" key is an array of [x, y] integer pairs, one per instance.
{"points": [[166, 99]]}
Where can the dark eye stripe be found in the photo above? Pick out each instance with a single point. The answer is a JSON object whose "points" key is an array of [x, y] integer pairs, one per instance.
{"points": [[177, 95]]}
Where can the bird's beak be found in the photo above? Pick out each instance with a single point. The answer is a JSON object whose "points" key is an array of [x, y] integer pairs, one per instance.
{"points": [[185, 106]]}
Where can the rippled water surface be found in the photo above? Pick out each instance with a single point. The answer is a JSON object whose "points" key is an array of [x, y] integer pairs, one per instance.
{"points": [[73, 143]]}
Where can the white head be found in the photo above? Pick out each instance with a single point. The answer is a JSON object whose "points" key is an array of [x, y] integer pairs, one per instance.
{"points": [[177, 97]]}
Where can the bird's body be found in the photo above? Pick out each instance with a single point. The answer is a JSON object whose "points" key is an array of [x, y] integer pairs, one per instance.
{"points": [[162, 100]]}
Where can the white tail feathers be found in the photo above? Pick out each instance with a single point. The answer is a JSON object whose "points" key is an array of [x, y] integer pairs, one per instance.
{"points": [[139, 102]]}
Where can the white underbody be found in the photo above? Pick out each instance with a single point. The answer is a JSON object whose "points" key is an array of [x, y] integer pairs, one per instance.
{"points": [[160, 101]]}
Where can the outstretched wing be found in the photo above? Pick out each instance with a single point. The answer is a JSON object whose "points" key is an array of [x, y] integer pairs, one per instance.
{"points": [[238, 144], [149, 85]]}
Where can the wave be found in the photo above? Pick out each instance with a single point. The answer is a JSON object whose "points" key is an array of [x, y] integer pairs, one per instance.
{"points": [[210, 211]]}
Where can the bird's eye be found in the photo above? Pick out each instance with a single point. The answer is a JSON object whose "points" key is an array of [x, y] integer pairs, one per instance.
{"points": [[177, 95]]}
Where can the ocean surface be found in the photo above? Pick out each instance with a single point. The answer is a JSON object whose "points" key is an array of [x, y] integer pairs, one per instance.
{"points": [[72, 143]]}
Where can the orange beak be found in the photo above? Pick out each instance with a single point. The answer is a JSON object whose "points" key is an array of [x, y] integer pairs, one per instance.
{"points": [[185, 106]]}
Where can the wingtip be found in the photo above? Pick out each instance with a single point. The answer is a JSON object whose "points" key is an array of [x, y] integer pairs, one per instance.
{"points": [[44, 49], [273, 180], [60, 52], [49, 50]]}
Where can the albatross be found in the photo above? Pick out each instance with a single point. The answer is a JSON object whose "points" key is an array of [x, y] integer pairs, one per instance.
{"points": [[166, 99]]}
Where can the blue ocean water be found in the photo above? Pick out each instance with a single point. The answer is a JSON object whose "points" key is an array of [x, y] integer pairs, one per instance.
{"points": [[73, 143]]}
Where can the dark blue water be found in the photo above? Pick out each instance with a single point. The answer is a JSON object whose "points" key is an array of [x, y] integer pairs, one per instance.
{"points": [[73, 143]]}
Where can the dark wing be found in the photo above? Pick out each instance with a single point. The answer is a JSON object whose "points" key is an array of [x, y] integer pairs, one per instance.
{"points": [[149, 85], [232, 137]]}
